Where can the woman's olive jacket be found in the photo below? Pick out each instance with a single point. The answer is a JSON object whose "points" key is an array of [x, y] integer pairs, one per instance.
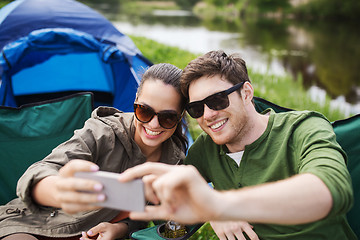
{"points": [[106, 139]]}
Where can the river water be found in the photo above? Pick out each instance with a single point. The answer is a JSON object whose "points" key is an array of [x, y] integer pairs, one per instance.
{"points": [[325, 54]]}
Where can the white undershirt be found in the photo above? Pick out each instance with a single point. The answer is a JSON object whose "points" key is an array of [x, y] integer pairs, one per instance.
{"points": [[237, 156]]}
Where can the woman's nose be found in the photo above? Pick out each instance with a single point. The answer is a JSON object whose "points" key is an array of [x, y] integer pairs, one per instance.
{"points": [[154, 123]]}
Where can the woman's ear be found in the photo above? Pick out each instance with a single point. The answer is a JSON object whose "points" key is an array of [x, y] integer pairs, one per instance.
{"points": [[247, 92]]}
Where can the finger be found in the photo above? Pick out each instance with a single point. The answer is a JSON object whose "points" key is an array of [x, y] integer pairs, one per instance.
{"points": [[168, 186], [221, 235], [152, 213], [230, 236], [239, 235], [250, 232], [95, 230], [78, 184], [80, 198], [104, 236], [143, 170], [77, 166], [84, 236], [150, 194], [218, 229], [181, 176]]}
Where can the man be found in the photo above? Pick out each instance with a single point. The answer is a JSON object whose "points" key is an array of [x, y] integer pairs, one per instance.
{"points": [[291, 171]]}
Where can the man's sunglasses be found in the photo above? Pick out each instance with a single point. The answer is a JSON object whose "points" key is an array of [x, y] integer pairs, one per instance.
{"points": [[216, 101], [167, 118]]}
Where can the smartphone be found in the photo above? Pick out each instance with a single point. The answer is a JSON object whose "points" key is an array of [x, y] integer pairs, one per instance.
{"points": [[127, 196]]}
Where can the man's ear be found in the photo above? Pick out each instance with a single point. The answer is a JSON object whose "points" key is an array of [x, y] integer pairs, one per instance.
{"points": [[247, 92]]}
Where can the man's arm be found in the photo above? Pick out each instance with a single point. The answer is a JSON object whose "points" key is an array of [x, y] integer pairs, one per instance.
{"points": [[300, 199], [185, 197]]}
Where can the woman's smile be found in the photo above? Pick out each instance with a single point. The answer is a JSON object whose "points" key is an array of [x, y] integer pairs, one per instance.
{"points": [[152, 133]]}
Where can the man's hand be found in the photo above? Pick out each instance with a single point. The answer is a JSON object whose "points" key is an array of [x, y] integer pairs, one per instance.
{"points": [[230, 230], [181, 192]]}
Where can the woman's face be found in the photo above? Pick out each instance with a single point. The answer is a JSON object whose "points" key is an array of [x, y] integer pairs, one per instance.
{"points": [[159, 97]]}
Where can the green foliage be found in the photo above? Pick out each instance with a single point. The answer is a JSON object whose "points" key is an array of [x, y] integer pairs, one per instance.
{"points": [[314, 9], [335, 9], [221, 3], [4, 2], [271, 5], [186, 4], [283, 91], [204, 233], [249, 6], [157, 52], [218, 3]]}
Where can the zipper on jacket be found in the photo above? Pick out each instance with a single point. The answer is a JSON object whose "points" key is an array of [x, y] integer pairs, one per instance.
{"points": [[54, 213], [16, 211]]}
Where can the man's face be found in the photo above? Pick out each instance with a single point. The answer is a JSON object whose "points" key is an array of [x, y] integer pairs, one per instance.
{"points": [[224, 126]]}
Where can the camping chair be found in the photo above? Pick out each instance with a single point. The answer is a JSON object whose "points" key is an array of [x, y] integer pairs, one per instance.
{"points": [[348, 136], [29, 133]]}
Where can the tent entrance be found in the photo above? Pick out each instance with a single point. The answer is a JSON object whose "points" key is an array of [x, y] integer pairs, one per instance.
{"points": [[62, 74]]}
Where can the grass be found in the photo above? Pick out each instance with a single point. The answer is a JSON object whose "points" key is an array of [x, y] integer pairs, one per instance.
{"points": [[158, 53], [286, 92], [4, 2], [204, 233], [146, 7]]}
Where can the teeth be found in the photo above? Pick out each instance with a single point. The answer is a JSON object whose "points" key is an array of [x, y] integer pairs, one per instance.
{"points": [[217, 125], [152, 133]]}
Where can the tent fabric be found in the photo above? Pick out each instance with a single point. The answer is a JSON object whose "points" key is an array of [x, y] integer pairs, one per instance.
{"points": [[21, 17], [348, 136], [29, 133], [58, 47], [46, 59]]}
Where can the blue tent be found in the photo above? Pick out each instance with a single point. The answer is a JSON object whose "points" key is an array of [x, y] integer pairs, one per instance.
{"points": [[51, 48]]}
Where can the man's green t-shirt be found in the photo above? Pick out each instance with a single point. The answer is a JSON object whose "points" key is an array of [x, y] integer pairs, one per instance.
{"points": [[293, 143]]}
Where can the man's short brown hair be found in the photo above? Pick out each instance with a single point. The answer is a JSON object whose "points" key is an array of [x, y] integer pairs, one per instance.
{"points": [[231, 68]]}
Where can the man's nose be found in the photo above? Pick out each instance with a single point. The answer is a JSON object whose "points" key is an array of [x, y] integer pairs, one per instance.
{"points": [[209, 113]]}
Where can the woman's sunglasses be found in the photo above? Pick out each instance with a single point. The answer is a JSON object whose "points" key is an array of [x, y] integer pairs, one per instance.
{"points": [[167, 118], [216, 101]]}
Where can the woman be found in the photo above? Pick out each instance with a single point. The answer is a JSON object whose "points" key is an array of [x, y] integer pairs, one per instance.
{"points": [[109, 141]]}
